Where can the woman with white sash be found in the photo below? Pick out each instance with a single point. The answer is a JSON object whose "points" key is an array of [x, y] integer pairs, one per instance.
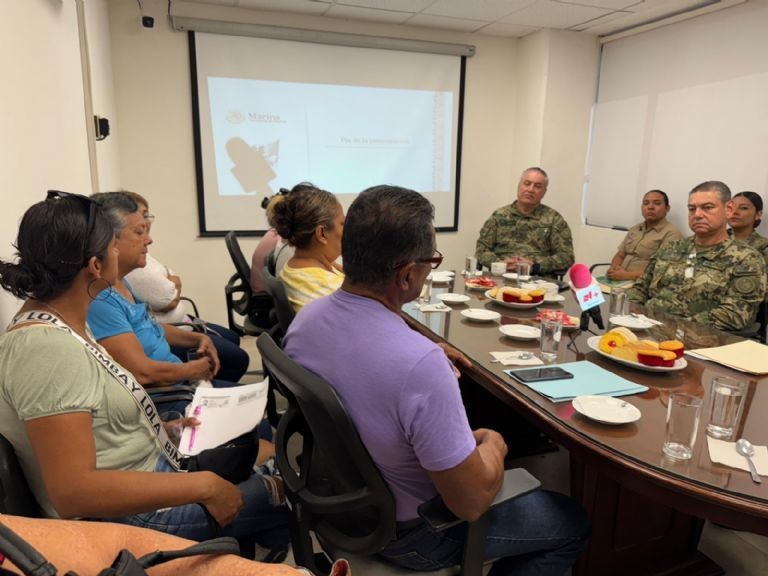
{"points": [[89, 439]]}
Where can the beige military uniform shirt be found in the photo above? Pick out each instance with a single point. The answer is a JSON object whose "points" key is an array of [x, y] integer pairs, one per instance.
{"points": [[642, 242]]}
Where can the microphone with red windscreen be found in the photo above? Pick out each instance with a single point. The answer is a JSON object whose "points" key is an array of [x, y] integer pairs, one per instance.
{"points": [[588, 295]]}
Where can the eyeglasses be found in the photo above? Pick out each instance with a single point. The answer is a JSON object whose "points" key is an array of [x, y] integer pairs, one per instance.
{"points": [[86, 202], [435, 261], [149, 217]]}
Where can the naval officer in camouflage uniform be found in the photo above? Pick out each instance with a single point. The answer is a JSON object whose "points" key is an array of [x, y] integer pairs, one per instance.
{"points": [[708, 278], [527, 230]]}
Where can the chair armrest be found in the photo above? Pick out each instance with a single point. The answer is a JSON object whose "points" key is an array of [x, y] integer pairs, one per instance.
{"points": [[517, 482]]}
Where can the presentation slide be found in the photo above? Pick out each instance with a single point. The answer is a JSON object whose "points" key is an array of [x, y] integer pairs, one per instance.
{"points": [[274, 113], [263, 129]]}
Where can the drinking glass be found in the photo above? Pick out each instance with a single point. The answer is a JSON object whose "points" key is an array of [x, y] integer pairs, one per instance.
{"points": [[617, 304], [426, 291], [683, 413], [551, 331], [726, 399], [523, 271]]}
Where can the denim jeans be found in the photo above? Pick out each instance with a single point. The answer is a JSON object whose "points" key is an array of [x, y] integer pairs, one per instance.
{"points": [[259, 518], [536, 534], [233, 359]]}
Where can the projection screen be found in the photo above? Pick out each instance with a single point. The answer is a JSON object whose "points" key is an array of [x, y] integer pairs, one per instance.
{"points": [[271, 113]]}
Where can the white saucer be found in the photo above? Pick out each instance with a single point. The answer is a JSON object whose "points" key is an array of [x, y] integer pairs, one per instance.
{"points": [[630, 322], [453, 298], [555, 298], [606, 409], [520, 331], [480, 314], [510, 275], [442, 277]]}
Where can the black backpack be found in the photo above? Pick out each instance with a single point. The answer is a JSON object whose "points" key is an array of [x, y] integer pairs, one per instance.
{"points": [[32, 563]]}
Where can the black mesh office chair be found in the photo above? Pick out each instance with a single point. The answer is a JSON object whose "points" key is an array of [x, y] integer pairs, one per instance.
{"points": [[282, 308], [334, 488], [241, 301], [15, 496]]}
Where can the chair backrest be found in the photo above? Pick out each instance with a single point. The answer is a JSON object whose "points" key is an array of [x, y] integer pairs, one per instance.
{"points": [[241, 264], [335, 485], [15, 496], [282, 306]]}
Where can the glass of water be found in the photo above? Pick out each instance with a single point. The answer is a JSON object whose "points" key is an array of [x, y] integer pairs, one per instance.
{"points": [[683, 413], [726, 399], [551, 331]]}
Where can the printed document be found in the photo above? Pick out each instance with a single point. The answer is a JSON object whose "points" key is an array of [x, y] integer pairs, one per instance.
{"points": [[224, 414]]}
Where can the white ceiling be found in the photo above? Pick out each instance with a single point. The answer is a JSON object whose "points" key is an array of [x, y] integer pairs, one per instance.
{"points": [[510, 18]]}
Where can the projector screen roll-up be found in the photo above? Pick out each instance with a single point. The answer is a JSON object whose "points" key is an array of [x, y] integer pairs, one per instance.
{"points": [[677, 106], [272, 113]]}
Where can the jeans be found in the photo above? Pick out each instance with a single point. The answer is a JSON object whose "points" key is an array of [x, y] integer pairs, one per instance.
{"points": [[266, 523], [536, 534], [234, 360]]}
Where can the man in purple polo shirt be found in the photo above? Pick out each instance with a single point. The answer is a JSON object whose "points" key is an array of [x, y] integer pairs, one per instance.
{"points": [[401, 391]]}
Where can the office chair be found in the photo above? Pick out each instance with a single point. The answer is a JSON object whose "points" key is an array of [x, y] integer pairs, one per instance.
{"points": [[15, 496], [282, 308], [334, 487], [241, 301]]}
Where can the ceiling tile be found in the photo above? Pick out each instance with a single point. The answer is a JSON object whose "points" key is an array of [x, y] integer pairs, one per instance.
{"points": [[217, 2], [612, 18], [607, 4], [367, 14], [507, 30], [411, 6], [551, 14], [300, 6], [457, 24], [488, 10]]}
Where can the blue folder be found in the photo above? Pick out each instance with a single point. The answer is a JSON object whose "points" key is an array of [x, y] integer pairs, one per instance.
{"points": [[588, 379]]}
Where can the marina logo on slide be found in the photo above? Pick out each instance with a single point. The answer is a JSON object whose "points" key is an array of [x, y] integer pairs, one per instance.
{"points": [[235, 117]]}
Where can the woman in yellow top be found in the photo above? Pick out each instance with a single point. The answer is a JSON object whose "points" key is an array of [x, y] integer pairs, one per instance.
{"points": [[744, 215], [312, 221]]}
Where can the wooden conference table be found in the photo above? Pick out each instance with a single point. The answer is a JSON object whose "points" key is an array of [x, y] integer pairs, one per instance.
{"points": [[647, 510]]}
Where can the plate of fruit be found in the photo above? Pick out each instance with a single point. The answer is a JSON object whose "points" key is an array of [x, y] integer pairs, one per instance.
{"points": [[569, 322], [622, 346], [479, 283], [516, 297]]}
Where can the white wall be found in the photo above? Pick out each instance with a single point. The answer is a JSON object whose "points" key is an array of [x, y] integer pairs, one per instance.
{"points": [[43, 138], [507, 117]]}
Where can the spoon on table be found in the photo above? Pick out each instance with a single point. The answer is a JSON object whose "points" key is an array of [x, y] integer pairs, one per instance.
{"points": [[745, 448], [518, 355]]}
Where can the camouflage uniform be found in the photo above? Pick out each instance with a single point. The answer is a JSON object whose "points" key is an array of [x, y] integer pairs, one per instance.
{"points": [[759, 243], [542, 236], [727, 284]]}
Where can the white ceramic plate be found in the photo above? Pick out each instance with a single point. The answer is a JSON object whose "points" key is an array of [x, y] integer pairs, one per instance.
{"points": [[453, 298], [606, 409], [630, 322], [510, 275], [520, 331], [680, 363], [518, 305], [471, 286], [480, 314], [441, 277], [554, 298]]}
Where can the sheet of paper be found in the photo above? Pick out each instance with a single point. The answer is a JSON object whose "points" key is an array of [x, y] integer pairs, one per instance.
{"points": [[224, 414], [747, 356], [724, 452], [588, 379]]}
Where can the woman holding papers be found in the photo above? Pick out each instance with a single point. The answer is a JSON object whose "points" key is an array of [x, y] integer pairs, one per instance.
{"points": [[89, 439]]}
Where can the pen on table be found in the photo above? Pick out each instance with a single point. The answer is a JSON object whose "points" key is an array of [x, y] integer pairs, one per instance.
{"points": [[198, 410]]}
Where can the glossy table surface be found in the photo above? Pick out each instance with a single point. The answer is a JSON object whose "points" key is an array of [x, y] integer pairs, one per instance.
{"points": [[633, 449]]}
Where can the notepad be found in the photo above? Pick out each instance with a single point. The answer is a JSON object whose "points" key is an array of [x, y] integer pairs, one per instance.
{"points": [[746, 356], [588, 379]]}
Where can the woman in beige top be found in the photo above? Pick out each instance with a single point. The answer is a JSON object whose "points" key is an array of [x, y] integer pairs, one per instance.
{"points": [[644, 239]]}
